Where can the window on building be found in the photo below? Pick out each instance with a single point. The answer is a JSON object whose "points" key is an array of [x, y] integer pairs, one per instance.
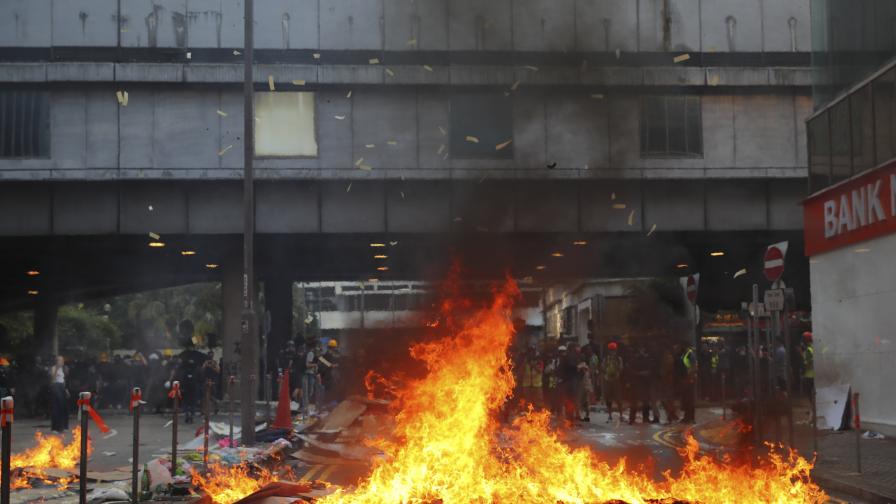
{"points": [[819, 133], [285, 124], [671, 126], [884, 93], [841, 142], [24, 124], [480, 122]]}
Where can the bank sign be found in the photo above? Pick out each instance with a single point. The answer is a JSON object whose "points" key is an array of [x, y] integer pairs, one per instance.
{"points": [[854, 211]]}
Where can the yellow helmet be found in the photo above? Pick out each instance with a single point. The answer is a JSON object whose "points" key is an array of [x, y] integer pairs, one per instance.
{"points": [[332, 343]]}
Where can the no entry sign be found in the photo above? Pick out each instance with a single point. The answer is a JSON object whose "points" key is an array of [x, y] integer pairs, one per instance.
{"points": [[774, 261]]}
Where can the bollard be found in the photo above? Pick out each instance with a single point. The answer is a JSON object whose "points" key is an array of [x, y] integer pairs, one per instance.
{"points": [[724, 415], [858, 422], [268, 389], [84, 403], [175, 396], [6, 414], [814, 420], [136, 396], [206, 403], [230, 384]]}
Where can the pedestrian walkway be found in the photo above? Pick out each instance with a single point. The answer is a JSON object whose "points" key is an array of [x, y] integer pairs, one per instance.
{"points": [[836, 467]]}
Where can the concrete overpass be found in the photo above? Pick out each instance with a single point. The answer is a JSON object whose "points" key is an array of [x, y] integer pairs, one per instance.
{"points": [[655, 131]]}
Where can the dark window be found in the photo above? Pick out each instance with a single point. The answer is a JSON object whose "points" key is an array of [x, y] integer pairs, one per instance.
{"points": [[884, 92], [480, 122], [841, 142], [671, 126], [819, 152], [862, 130], [24, 124]]}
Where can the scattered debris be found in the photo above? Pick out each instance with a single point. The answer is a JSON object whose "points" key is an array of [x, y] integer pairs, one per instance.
{"points": [[222, 113], [299, 82], [551, 166], [503, 144], [122, 97], [374, 61], [271, 82], [681, 57], [472, 139], [740, 272]]}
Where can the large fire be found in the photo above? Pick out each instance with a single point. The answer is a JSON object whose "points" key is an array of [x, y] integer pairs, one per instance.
{"points": [[49, 451], [226, 485], [449, 447]]}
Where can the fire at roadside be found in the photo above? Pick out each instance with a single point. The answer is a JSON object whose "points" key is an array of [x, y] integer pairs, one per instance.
{"points": [[438, 438]]}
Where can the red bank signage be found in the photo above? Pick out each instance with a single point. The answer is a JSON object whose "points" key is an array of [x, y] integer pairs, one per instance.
{"points": [[857, 210]]}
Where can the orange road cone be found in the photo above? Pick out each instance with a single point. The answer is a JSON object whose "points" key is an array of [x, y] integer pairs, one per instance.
{"points": [[283, 420]]}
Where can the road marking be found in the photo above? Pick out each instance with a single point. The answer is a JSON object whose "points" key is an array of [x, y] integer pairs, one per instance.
{"points": [[310, 474], [326, 474]]}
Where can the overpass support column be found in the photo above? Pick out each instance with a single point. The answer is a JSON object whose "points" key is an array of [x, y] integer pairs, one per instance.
{"points": [[46, 313], [231, 310], [278, 299]]}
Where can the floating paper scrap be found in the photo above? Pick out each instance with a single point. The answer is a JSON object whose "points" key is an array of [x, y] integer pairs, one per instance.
{"points": [[316, 55], [122, 97], [442, 131], [149, 208], [154, 236], [349, 188], [392, 142], [613, 196], [597, 96], [631, 218], [299, 82], [503, 144], [393, 243], [714, 80], [189, 55], [222, 113], [515, 85], [365, 167], [740, 272], [618, 53], [109, 453], [370, 146], [530, 67], [472, 139], [349, 94], [168, 424], [236, 53], [412, 42], [619, 206], [458, 219], [681, 57], [339, 117], [441, 148], [359, 161], [390, 72], [225, 149], [271, 82], [402, 194], [652, 229], [111, 433], [374, 61], [445, 157], [427, 68]]}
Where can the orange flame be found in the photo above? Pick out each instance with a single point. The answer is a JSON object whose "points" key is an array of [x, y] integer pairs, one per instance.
{"points": [[49, 451], [449, 447], [226, 485]]}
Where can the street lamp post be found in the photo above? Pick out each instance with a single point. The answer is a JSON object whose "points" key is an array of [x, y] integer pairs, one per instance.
{"points": [[248, 341]]}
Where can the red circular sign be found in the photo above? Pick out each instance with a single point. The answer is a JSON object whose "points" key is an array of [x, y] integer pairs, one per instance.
{"points": [[692, 289], [774, 263]]}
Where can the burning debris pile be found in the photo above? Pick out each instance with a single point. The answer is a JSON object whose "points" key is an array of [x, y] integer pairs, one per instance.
{"points": [[447, 445], [50, 462]]}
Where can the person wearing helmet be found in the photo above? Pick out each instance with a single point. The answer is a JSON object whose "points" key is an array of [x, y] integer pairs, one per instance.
{"points": [[330, 374], [611, 374]]}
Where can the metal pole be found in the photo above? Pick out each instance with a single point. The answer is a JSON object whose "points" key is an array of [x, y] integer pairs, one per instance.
{"points": [[268, 387], [84, 401], [786, 322], [858, 422], [230, 384], [249, 342], [175, 389], [696, 359], [136, 395], [814, 420], [724, 416], [205, 412], [6, 405], [757, 369]]}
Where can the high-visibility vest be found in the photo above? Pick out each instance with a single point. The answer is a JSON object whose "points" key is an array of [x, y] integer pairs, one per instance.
{"points": [[687, 360], [612, 367], [809, 362], [531, 375], [714, 362]]}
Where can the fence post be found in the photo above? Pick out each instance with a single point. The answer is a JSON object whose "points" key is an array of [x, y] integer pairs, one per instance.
{"points": [[175, 397], [84, 403], [136, 396], [6, 414]]}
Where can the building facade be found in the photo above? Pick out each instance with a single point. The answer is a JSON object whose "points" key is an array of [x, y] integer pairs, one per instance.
{"points": [[850, 217]]}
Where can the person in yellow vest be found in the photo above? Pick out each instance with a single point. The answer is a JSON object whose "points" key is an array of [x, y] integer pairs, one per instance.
{"points": [[612, 379], [808, 365], [688, 378]]}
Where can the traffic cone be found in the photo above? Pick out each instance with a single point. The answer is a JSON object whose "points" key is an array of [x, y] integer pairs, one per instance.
{"points": [[283, 420]]}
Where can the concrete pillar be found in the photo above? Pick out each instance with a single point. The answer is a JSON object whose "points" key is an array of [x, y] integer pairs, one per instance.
{"points": [[46, 313], [231, 308], [278, 300]]}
